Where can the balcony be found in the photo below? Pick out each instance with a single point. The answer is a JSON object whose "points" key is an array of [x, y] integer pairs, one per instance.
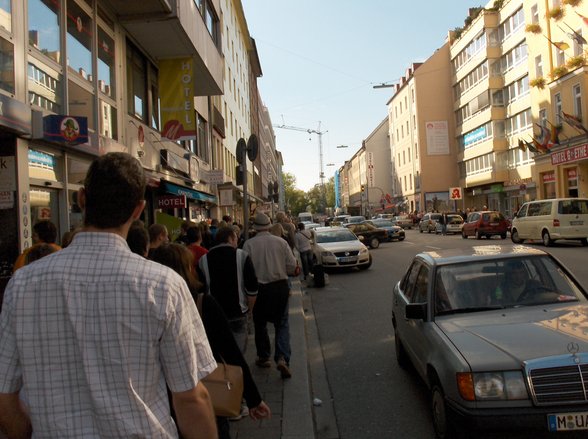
{"points": [[174, 29]]}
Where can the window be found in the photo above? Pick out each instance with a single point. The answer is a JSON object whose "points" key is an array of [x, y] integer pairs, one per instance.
{"points": [[577, 96], [5, 15], [81, 102], [6, 66], [543, 117], [108, 120], [79, 41], [557, 107], [202, 139], [561, 58], [577, 38], [106, 76], [538, 67], [136, 83], [534, 14], [44, 86], [44, 27]]}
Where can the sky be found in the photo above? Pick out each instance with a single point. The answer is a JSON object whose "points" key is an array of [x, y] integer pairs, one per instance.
{"points": [[320, 60]]}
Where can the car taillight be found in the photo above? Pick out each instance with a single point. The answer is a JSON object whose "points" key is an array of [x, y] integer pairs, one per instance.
{"points": [[555, 222]]}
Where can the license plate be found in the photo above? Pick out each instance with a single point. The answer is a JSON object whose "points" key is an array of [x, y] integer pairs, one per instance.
{"points": [[568, 421], [348, 259], [577, 223]]}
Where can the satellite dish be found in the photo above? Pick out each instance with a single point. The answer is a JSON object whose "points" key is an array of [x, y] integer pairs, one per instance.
{"points": [[252, 147], [241, 147]]}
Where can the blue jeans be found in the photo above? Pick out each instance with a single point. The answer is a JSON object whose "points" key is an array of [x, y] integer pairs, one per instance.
{"points": [[272, 306], [306, 259]]}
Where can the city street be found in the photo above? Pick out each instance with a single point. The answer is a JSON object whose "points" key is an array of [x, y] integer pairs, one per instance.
{"points": [[372, 397]]}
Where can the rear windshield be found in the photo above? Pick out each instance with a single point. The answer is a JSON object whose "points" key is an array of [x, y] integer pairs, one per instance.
{"points": [[493, 217], [567, 207]]}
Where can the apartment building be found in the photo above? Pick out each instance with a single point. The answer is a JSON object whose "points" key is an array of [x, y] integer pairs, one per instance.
{"points": [[378, 184], [423, 154], [556, 35], [80, 78]]}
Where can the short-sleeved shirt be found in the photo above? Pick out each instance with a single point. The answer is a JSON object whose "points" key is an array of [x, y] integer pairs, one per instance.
{"points": [[91, 334]]}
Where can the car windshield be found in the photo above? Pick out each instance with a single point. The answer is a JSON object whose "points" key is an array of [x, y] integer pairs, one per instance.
{"points": [[335, 236], [502, 283], [454, 219]]}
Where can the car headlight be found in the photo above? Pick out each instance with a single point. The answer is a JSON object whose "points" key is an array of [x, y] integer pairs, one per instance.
{"points": [[326, 254], [488, 386], [363, 251]]}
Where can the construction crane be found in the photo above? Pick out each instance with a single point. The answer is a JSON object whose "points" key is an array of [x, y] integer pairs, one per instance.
{"points": [[319, 133]]}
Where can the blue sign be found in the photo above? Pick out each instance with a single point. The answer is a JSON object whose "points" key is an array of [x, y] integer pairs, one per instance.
{"points": [[475, 136], [41, 159], [188, 192], [71, 130]]}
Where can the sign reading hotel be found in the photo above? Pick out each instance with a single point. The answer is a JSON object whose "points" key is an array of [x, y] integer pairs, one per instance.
{"points": [[437, 137], [370, 169], [568, 155], [176, 87]]}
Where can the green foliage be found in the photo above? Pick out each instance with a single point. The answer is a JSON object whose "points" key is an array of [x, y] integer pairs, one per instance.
{"points": [[295, 199]]}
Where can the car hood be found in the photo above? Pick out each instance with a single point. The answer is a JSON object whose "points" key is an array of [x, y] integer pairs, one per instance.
{"points": [[341, 246], [503, 339]]}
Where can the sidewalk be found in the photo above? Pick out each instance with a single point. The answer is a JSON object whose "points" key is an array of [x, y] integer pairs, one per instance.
{"points": [[290, 400]]}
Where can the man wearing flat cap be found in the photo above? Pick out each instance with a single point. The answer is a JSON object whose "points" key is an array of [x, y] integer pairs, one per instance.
{"points": [[273, 261]]}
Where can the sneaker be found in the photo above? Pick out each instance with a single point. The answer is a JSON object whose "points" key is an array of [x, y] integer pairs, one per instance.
{"points": [[284, 369], [263, 362], [244, 413]]}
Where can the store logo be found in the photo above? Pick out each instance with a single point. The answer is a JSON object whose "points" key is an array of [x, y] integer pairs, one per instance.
{"points": [[70, 129]]}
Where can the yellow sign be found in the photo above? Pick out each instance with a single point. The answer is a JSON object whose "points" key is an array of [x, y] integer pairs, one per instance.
{"points": [[176, 89]]}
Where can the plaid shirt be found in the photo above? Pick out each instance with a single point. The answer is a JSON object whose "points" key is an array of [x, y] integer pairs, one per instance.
{"points": [[92, 333]]}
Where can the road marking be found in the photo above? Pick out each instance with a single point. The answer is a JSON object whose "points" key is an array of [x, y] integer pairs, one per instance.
{"points": [[434, 248]]}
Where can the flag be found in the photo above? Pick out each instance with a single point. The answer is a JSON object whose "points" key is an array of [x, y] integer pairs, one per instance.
{"points": [[585, 19], [575, 35], [531, 147], [554, 137], [561, 45], [541, 149], [574, 121], [522, 145], [544, 136]]}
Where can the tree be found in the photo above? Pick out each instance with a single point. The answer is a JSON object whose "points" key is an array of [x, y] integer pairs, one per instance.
{"points": [[295, 199]]}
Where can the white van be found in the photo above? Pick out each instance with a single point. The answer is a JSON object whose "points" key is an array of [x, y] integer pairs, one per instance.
{"points": [[550, 220], [305, 217]]}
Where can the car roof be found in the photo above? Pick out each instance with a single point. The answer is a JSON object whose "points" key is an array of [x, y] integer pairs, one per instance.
{"points": [[479, 253], [329, 228]]}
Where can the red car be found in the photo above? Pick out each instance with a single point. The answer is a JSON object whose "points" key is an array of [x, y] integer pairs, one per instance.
{"points": [[486, 223]]}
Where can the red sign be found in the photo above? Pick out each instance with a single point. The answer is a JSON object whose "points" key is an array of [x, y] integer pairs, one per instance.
{"points": [[548, 176], [572, 174], [568, 155], [171, 202]]}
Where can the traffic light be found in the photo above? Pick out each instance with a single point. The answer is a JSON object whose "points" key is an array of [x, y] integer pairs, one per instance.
{"points": [[362, 187], [239, 175]]}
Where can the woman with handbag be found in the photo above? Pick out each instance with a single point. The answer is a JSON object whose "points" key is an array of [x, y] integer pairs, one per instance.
{"points": [[222, 343]]}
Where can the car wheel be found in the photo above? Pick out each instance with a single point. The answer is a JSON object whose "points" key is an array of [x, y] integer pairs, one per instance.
{"points": [[401, 238], [443, 428], [478, 234], [503, 235], [420, 229], [514, 236], [366, 266], [401, 355], [374, 243], [547, 241], [463, 235]]}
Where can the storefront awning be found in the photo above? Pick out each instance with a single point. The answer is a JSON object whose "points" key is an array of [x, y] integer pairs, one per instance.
{"points": [[190, 193]]}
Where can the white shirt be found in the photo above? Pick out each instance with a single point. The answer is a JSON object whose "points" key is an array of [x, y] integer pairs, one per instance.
{"points": [[303, 241], [92, 333]]}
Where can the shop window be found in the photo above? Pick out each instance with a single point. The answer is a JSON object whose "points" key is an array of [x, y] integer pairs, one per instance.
{"points": [[6, 15], [44, 27], [79, 42], [106, 76], [76, 170], [572, 180], [45, 206], [44, 86], [44, 166], [548, 180], [6, 65], [81, 103]]}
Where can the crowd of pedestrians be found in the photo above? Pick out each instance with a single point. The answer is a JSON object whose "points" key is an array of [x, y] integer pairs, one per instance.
{"points": [[111, 335]]}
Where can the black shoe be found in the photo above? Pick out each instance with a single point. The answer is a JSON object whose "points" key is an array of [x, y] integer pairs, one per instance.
{"points": [[284, 369], [263, 362]]}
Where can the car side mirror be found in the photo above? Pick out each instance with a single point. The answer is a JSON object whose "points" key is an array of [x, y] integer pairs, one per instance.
{"points": [[417, 311], [361, 238]]}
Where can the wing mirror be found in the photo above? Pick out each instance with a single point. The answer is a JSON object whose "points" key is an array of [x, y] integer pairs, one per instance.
{"points": [[417, 311]]}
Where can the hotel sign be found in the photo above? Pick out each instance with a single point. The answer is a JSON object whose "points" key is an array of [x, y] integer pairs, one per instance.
{"points": [[569, 155]]}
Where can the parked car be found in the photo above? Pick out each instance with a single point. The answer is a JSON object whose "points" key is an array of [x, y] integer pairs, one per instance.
{"points": [[499, 337], [394, 232], [387, 216], [338, 220], [353, 219], [428, 222], [550, 220], [486, 223], [368, 234], [309, 226], [339, 247], [403, 221], [454, 224]]}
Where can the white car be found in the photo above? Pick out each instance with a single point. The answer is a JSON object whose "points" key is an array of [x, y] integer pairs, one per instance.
{"points": [[338, 247]]}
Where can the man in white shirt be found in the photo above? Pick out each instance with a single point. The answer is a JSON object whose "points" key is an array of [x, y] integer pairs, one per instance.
{"points": [[90, 336]]}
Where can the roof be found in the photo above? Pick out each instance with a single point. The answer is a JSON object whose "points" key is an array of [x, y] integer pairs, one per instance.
{"points": [[479, 253]]}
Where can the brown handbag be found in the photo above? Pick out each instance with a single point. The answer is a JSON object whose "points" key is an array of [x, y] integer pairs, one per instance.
{"points": [[225, 387]]}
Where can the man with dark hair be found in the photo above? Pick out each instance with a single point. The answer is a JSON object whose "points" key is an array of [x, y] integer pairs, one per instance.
{"points": [[44, 232], [94, 334], [157, 235], [138, 238], [229, 275], [194, 243]]}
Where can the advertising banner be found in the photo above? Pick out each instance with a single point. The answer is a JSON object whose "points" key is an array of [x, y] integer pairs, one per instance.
{"points": [[176, 88]]}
